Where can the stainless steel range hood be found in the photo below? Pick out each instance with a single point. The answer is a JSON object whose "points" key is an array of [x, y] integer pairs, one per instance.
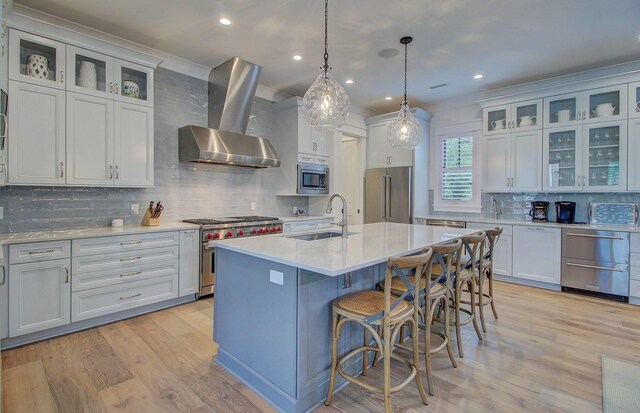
{"points": [[232, 87]]}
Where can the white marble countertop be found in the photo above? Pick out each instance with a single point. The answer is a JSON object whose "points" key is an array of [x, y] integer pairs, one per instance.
{"points": [[53, 235], [302, 218], [369, 244], [623, 228]]}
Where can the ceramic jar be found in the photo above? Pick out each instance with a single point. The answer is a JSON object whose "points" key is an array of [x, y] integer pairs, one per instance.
{"points": [[38, 67], [88, 77], [130, 89]]}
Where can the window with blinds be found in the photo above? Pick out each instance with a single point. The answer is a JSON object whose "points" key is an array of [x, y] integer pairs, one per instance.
{"points": [[457, 168]]}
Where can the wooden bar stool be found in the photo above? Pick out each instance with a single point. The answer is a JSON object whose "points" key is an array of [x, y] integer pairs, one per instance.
{"points": [[465, 276], [430, 298], [486, 297], [380, 308]]}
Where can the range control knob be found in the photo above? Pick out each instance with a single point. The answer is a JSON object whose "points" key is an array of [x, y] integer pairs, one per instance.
{"points": [[254, 232], [229, 234], [263, 230], [240, 233], [273, 230], [217, 236], [278, 229], [209, 236]]}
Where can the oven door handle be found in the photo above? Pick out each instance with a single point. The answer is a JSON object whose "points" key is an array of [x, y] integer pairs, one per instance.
{"points": [[207, 247]]}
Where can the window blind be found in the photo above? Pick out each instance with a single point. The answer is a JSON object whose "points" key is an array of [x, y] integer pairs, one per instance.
{"points": [[457, 168]]}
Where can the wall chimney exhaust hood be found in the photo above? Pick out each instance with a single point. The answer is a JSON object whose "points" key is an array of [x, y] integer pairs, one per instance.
{"points": [[232, 88]]}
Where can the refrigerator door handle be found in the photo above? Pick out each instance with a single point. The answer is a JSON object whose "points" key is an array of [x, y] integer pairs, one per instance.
{"points": [[388, 196], [382, 197]]}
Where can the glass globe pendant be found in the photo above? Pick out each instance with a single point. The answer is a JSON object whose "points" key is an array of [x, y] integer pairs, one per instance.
{"points": [[325, 106], [404, 131]]}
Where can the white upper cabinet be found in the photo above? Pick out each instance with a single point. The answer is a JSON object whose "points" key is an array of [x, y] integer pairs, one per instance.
{"points": [[587, 158], [595, 105], [35, 59], [634, 100], [89, 72], [521, 116], [133, 145], [133, 83], [513, 162], [37, 135], [381, 154]]}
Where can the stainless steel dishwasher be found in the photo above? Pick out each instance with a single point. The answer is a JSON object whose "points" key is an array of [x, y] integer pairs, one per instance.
{"points": [[446, 223], [596, 263]]}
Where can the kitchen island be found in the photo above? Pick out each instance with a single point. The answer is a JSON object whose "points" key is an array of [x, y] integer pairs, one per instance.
{"points": [[272, 317]]}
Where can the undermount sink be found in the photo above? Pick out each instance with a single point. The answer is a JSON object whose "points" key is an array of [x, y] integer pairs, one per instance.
{"points": [[318, 235]]}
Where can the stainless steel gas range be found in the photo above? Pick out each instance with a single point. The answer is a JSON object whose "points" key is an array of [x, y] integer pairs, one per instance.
{"points": [[216, 229]]}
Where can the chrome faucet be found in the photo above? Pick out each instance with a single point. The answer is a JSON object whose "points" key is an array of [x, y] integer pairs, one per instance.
{"points": [[342, 223], [496, 208]]}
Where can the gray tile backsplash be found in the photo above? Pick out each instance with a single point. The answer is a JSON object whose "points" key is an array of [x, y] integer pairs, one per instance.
{"points": [[186, 190], [517, 205]]}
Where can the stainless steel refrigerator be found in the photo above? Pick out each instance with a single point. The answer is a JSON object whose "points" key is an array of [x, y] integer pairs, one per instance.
{"points": [[388, 195]]}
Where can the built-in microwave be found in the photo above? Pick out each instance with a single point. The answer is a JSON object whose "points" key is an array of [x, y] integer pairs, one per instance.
{"points": [[313, 179]]}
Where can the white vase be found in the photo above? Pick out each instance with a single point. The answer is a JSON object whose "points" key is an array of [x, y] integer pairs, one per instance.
{"points": [[88, 77], [38, 67]]}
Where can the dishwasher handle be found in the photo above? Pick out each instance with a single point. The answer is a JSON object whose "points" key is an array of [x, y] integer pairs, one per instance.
{"points": [[594, 267], [573, 234]]}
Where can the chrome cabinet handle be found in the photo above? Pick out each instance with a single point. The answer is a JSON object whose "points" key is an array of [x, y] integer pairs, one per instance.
{"points": [[110, 87], [584, 181], [139, 257], [131, 296], [389, 197], [66, 278], [572, 234], [595, 267], [3, 26], [384, 205], [5, 125], [41, 252], [110, 171], [62, 76], [130, 242], [117, 173], [130, 274], [4, 275], [61, 169], [117, 90]]}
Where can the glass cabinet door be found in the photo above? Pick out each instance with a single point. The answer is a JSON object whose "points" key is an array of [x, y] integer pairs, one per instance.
{"points": [[90, 73], [562, 111], [496, 119], [605, 152], [634, 100], [561, 159], [605, 104], [527, 115], [133, 83], [36, 60]]}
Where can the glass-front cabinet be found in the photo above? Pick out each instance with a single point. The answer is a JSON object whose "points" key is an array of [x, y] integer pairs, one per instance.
{"points": [[634, 100], [37, 60], [591, 157], [133, 83], [90, 73], [591, 106], [521, 116]]}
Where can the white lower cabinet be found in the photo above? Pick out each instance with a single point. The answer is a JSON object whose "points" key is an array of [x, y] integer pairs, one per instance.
{"points": [[537, 253], [39, 296], [503, 251], [189, 262]]}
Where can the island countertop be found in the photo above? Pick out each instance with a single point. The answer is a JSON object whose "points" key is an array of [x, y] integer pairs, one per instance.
{"points": [[367, 245]]}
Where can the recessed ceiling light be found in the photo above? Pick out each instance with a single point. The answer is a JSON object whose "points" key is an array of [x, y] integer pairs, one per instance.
{"points": [[388, 53], [348, 81], [297, 57], [388, 98], [478, 76], [225, 21]]}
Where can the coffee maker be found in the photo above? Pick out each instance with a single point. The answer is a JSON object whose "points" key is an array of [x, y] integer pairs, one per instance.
{"points": [[565, 212], [539, 211]]}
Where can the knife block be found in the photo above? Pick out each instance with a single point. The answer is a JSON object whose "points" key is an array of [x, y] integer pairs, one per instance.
{"points": [[148, 221]]}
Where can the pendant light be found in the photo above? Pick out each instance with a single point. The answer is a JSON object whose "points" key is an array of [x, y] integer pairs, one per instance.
{"points": [[325, 106], [404, 131]]}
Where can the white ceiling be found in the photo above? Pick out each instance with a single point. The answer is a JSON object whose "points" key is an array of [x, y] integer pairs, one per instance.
{"points": [[509, 41]]}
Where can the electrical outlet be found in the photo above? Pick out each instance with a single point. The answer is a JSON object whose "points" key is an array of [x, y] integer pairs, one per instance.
{"points": [[276, 277], [135, 209], [253, 206]]}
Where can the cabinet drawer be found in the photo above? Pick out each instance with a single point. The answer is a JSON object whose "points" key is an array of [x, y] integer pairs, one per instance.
{"points": [[634, 288], [106, 300], [119, 261], [305, 158], [124, 243], [506, 229], [39, 251], [635, 259], [635, 242], [95, 279], [321, 160]]}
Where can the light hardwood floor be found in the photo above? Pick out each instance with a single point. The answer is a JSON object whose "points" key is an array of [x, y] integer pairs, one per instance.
{"points": [[542, 355]]}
